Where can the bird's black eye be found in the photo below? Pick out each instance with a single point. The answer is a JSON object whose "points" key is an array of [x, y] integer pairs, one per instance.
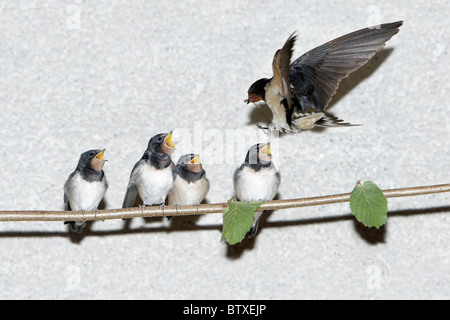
{"points": [[91, 154], [160, 139]]}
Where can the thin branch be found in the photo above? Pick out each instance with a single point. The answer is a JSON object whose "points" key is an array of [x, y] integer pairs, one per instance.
{"points": [[157, 211]]}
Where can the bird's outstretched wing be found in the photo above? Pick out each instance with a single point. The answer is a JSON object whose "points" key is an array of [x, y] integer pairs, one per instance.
{"points": [[281, 69], [315, 76]]}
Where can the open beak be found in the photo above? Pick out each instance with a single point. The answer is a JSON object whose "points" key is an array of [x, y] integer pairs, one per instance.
{"points": [[168, 141], [101, 155], [266, 149], [195, 160], [253, 98]]}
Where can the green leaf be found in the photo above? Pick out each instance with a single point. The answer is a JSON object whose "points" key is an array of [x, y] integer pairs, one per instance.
{"points": [[368, 204], [238, 220]]}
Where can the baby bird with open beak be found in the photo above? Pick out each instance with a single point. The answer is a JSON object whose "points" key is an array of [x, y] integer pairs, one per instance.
{"points": [[152, 176], [257, 179], [86, 186], [190, 184]]}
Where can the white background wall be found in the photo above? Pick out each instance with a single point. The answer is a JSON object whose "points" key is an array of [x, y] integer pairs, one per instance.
{"points": [[77, 75]]}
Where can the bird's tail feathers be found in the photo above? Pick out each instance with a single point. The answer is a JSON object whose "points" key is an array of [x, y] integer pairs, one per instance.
{"points": [[76, 226], [253, 230], [331, 121], [308, 120], [305, 121]]}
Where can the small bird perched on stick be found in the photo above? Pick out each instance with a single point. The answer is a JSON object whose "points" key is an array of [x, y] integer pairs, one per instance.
{"points": [[299, 92], [256, 179], [152, 176], [190, 184], [86, 186]]}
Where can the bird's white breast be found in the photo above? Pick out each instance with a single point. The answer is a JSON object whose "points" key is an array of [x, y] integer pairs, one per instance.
{"points": [[186, 193], [251, 185], [153, 185], [85, 195]]}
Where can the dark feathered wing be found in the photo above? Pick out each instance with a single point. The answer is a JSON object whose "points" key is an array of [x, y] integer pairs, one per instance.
{"points": [[132, 192], [315, 76], [68, 188], [130, 196], [66, 203]]}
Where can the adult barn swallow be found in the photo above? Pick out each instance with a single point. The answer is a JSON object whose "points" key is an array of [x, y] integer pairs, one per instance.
{"points": [[257, 179], [86, 186], [299, 92], [152, 176], [190, 184]]}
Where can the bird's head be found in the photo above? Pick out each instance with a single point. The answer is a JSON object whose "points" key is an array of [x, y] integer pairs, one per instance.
{"points": [[92, 159], [161, 143], [191, 162], [259, 154], [257, 91]]}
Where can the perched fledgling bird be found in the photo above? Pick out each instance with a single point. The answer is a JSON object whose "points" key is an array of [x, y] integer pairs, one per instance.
{"points": [[86, 186], [190, 184], [152, 176], [299, 92], [257, 179]]}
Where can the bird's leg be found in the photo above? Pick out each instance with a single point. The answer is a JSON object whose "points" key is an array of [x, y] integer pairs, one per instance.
{"points": [[95, 213], [163, 206], [142, 206], [81, 227], [261, 126], [264, 128], [176, 209], [82, 214]]}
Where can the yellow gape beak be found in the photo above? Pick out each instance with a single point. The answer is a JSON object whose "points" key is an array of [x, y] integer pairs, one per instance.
{"points": [[195, 160], [266, 149], [168, 140], [100, 155]]}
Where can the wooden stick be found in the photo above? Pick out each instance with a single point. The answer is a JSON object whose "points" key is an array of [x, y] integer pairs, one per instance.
{"points": [[157, 211]]}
